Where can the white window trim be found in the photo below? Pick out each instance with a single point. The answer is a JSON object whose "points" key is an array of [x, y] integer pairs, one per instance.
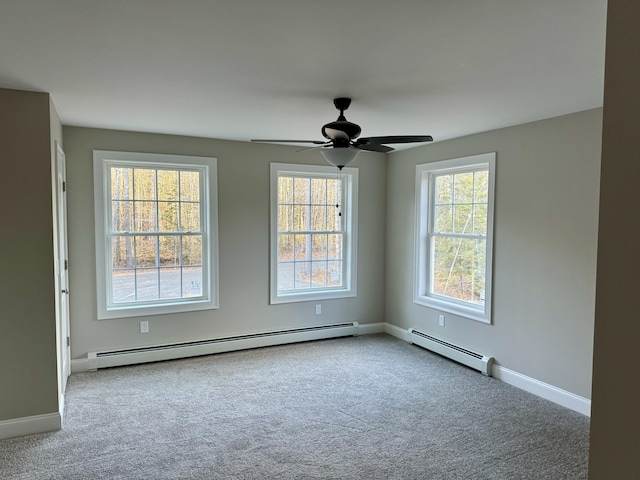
{"points": [[350, 217], [102, 159], [424, 198]]}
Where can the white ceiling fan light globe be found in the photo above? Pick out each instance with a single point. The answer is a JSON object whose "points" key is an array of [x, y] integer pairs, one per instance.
{"points": [[340, 157]]}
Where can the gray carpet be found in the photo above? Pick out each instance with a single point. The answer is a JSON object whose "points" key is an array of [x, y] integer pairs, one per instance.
{"points": [[369, 407]]}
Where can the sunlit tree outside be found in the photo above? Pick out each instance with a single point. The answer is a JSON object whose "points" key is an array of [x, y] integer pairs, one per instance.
{"points": [[156, 235], [459, 235], [310, 233]]}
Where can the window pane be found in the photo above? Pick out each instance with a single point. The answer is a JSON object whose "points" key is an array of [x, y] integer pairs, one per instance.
{"points": [[334, 246], [480, 219], [443, 219], [318, 218], [334, 191], [144, 183], [169, 283], [444, 189], [147, 287], [302, 247], [462, 219], [121, 183], [300, 218], [459, 268], [285, 276], [189, 186], [334, 274], [168, 185], [319, 274], [285, 218], [192, 282], [285, 247], [302, 274], [192, 250], [463, 187], [169, 250], [301, 188], [190, 217], [145, 248], [334, 219], [123, 286], [285, 190], [121, 215], [319, 243], [167, 216], [145, 216], [122, 252], [318, 191], [482, 186]]}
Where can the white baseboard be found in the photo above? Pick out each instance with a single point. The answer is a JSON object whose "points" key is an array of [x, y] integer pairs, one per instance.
{"points": [[80, 365], [18, 427], [371, 328], [549, 392], [397, 332], [544, 390]]}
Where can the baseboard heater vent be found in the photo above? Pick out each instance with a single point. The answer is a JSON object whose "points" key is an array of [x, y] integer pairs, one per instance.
{"points": [[459, 354], [155, 353]]}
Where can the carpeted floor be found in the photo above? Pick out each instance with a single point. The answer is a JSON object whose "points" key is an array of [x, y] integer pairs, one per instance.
{"points": [[369, 407]]}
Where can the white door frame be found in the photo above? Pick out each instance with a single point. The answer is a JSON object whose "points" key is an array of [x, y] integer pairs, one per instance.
{"points": [[62, 275]]}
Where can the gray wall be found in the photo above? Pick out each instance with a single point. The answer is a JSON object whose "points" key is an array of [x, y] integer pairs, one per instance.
{"points": [[243, 197], [546, 214], [615, 421], [27, 316]]}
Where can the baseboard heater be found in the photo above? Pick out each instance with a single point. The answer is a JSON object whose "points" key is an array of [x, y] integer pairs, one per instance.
{"points": [[459, 354], [155, 353]]}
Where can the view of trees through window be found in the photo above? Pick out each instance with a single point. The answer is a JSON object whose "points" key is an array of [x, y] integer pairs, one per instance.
{"points": [[156, 235], [310, 235], [459, 235]]}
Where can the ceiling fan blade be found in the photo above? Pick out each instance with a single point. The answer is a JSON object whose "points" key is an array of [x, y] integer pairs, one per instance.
{"points": [[373, 147], [314, 148], [315, 142], [397, 139]]}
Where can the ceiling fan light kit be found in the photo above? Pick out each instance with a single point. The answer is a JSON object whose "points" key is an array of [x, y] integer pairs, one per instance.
{"points": [[343, 145], [340, 157]]}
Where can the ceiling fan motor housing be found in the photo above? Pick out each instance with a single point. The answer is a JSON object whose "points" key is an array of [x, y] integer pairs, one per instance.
{"points": [[341, 130]]}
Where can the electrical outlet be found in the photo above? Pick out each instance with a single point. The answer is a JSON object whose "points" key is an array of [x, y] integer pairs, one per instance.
{"points": [[144, 326], [441, 320], [318, 309]]}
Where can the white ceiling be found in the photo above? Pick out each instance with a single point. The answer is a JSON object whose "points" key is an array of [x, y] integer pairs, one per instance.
{"points": [[242, 69]]}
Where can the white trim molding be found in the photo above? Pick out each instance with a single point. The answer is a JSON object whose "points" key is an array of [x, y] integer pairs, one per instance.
{"points": [[544, 390], [18, 427], [371, 328], [397, 332], [79, 365], [549, 392]]}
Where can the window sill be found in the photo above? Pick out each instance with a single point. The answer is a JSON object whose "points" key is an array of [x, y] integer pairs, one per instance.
{"points": [[477, 314], [150, 310], [311, 296]]}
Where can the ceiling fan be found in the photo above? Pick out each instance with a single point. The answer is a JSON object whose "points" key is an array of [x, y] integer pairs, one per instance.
{"points": [[343, 143]]}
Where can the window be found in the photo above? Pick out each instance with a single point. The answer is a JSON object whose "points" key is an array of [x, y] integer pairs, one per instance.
{"points": [[454, 235], [313, 232], [156, 233]]}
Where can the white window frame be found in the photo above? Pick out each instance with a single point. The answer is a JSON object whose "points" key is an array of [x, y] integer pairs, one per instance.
{"points": [[423, 291], [102, 161], [349, 210]]}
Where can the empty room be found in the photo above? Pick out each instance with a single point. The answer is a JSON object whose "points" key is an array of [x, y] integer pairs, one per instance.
{"points": [[296, 239]]}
